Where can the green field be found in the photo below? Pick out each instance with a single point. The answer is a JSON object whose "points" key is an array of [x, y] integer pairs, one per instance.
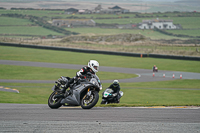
{"points": [[25, 27], [40, 73], [14, 28], [14, 21], [185, 22], [99, 31], [22, 30], [38, 13], [49, 14], [186, 32], [168, 93]]}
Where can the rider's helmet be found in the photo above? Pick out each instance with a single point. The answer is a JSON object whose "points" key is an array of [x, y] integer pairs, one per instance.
{"points": [[94, 65], [115, 83]]}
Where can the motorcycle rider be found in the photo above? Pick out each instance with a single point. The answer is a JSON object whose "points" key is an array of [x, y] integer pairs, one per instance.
{"points": [[93, 67], [116, 88]]}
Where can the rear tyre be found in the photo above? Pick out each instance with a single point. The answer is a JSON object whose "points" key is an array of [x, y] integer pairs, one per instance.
{"points": [[91, 101], [54, 103]]}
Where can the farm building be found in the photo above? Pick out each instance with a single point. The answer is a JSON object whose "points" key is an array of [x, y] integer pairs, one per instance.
{"points": [[117, 9], [111, 10], [157, 23], [71, 11], [73, 22]]}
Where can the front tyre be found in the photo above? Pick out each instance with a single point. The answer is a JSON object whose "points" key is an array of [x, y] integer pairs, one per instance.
{"points": [[54, 103], [87, 102]]}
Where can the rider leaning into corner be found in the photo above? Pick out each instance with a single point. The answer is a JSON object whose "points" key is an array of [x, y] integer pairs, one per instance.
{"points": [[116, 88], [93, 67]]}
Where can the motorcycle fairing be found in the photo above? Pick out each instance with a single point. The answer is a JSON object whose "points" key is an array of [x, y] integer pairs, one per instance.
{"points": [[53, 88], [121, 94], [75, 98]]}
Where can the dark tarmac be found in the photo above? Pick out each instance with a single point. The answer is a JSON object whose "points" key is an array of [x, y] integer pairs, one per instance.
{"points": [[39, 118]]}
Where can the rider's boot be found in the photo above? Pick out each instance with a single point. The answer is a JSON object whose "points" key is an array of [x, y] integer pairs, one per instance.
{"points": [[70, 92], [63, 92]]}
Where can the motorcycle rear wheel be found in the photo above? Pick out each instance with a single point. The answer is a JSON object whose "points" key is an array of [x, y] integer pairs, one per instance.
{"points": [[54, 103], [88, 104]]}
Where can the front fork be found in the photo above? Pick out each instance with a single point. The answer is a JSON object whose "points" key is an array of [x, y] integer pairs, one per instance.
{"points": [[88, 94]]}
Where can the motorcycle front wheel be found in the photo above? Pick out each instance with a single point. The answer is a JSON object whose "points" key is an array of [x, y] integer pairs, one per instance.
{"points": [[54, 103], [87, 102]]}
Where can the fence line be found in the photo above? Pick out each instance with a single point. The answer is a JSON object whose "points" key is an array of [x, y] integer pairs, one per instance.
{"points": [[103, 52]]}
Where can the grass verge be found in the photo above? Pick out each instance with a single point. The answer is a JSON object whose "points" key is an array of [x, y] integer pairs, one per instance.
{"points": [[39, 55], [40, 73], [133, 96], [169, 93]]}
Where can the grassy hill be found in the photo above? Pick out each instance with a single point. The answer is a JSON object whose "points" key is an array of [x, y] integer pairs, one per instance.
{"points": [[19, 28]]}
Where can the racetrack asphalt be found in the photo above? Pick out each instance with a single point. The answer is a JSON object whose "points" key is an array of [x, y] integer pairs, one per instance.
{"points": [[39, 118], [144, 75]]}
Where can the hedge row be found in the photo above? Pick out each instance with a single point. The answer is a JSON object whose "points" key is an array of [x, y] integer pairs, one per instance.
{"points": [[41, 22], [176, 35], [37, 9]]}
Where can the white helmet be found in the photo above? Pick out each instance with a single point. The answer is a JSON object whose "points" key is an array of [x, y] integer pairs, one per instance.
{"points": [[116, 83], [94, 65]]}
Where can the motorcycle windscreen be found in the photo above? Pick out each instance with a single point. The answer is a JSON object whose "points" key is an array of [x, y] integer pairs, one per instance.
{"points": [[108, 90]]}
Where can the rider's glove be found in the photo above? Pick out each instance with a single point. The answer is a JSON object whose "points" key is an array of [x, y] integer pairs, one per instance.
{"points": [[63, 80], [115, 94]]}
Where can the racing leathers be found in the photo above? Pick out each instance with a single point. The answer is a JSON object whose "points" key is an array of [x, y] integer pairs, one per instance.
{"points": [[116, 90], [80, 74], [84, 71]]}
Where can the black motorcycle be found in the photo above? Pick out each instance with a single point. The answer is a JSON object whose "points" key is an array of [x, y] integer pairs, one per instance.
{"points": [[109, 97], [85, 93]]}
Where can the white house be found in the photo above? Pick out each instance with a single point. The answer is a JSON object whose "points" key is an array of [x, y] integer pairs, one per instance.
{"points": [[157, 23]]}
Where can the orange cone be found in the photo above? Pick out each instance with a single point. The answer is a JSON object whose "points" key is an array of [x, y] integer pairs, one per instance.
{"points": [[163, 75], [180, 76], [153, 74], [173, 75]]}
